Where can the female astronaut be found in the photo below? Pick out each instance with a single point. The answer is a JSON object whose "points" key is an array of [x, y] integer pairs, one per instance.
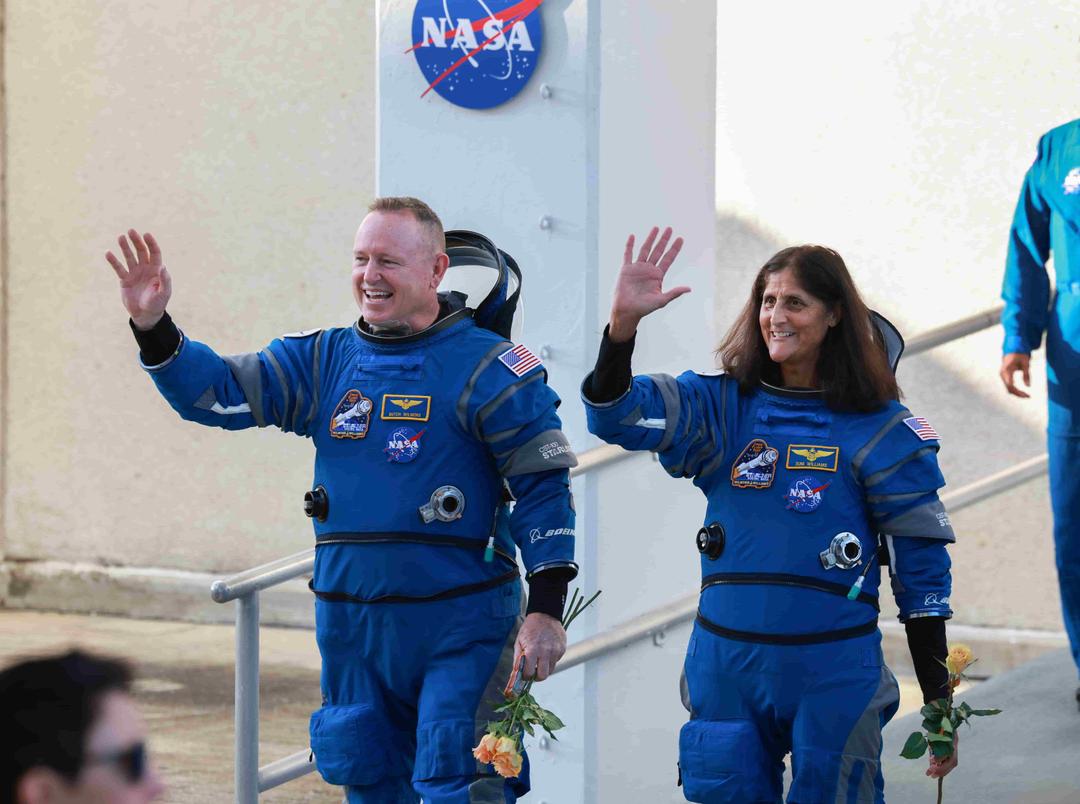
{"points": [[815, 475]]}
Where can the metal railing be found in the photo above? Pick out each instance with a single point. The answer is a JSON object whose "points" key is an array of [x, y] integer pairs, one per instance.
{"points": [[245, 587]]}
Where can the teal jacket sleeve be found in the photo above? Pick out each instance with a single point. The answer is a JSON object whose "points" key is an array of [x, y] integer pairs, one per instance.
{"points": [[1026, 287]]}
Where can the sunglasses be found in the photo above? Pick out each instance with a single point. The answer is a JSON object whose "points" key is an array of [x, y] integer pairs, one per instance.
{"points": [[129, 762]]}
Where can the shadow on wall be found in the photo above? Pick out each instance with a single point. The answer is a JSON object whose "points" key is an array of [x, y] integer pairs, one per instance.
{"points": [[1004, 544]]}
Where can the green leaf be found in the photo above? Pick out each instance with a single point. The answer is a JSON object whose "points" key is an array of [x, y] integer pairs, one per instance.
{"points": [[915, 746], [551, 721], [985, 712], [939, 738], [932, 713], [528, 727], [947, 726], [941, 749], [931, 725]]}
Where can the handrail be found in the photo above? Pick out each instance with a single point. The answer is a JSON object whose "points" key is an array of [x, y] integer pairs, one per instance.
{"points": [[245, 586]]}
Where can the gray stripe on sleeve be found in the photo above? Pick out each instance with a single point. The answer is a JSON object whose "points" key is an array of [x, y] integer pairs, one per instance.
{"points": [[297, 410], [877, 477], [316, 377], [928, 521], [502, 435], [668, 387], [547, 450], [860, 456], [286, 396], [247, 370], [462, 406], [489, 408], [879, 498]]}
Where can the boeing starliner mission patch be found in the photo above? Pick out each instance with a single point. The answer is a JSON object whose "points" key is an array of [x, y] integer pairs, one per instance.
{"points": [[352, 416], [403, 445], [755, 467], [405, 406], [922, 428], [812, 456], [519, 360], [804, 495]]}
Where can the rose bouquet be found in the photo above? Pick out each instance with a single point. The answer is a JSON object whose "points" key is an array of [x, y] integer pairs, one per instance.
{"points": [[941, 718], [502, 745]]}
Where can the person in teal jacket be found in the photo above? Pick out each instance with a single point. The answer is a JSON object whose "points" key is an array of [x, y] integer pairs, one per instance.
{"points": [[1047, 221], [426, 425]]}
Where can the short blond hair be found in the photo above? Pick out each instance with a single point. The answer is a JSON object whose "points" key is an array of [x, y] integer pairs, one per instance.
{"points": [[424, 214]]}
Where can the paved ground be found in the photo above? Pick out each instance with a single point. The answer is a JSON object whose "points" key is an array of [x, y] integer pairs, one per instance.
{"points": [[186, 691], [1029, 754]]}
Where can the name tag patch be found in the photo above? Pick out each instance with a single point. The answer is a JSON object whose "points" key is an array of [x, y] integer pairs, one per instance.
{"points": [[411, 407], [812, 456], [755, 467], [352, 416]]}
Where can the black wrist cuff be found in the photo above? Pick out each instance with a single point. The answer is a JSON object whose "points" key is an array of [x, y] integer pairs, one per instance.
{"points": [[159, 343], [927, 643], [612, 374], [547, 591]]}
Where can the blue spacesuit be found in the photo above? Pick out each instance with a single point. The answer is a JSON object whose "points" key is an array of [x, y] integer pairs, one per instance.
{"points": [[785, 654], [420, 442], [1047, 220]]}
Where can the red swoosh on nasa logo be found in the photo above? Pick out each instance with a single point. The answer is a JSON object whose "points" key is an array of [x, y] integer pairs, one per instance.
{"points": [[518, 10]]}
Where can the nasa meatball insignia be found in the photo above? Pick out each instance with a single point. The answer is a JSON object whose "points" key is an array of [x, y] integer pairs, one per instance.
{"points": [[403, 445], [804, 495], [352, 416], [755, 467], [476, 53]]}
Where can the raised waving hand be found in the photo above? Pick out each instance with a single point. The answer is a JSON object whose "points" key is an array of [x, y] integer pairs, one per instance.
{"points": [[639, 289], [145, 284]]}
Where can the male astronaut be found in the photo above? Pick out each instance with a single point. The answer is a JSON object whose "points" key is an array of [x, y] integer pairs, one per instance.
{"points": [[424, 425], [1047, 220]]}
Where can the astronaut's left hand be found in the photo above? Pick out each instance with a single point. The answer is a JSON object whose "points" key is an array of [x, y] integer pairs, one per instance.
{"points": [[541, 642]]}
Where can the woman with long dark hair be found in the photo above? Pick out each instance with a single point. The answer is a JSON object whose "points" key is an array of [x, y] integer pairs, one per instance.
{"points": [[815, 477]]}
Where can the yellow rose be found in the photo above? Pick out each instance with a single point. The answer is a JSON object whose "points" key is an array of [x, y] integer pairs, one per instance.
{"points": [[960, 656], [508, 765], [485, 752]]}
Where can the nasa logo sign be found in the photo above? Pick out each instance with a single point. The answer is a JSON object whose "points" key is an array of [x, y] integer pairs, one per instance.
{"points": [[476, 53]]}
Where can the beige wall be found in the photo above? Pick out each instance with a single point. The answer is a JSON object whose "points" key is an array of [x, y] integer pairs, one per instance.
{"points": [[242, 135]]}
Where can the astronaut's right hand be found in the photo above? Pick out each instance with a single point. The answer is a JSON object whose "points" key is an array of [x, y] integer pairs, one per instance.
{"points": [[1012, 363], [639, 287], [145, 284]]}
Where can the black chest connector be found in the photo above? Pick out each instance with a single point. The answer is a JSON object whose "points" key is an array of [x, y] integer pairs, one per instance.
{"points": [[710, 540], [316, 504]]}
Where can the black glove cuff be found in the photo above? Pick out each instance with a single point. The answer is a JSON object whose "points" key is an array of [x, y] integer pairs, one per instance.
{"points": [[547, 591], [927, 643], [159, 343], [612, 374]]}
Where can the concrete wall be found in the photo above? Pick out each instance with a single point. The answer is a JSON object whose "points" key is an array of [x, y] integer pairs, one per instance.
{"points": [[242, 135]]}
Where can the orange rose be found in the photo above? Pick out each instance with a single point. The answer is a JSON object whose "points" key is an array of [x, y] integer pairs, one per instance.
{"points": [[960, 656], [508, 765], [485, 752]]}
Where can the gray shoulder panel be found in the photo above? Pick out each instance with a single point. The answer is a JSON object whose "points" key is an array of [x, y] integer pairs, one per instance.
{"points": [[462, 406], [877, 477], [247, 369], [860, 456], [285, 395], [544, 451], [490, 407]]}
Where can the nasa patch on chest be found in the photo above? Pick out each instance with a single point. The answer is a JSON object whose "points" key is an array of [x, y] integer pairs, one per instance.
{"points": [[352, 416], [755, 467], [804, 495], [403, 445]]}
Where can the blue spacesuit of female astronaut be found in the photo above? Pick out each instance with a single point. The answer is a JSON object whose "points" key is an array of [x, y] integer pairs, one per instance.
{"points": [[780, 659], [418, 597], [1047, 220]]}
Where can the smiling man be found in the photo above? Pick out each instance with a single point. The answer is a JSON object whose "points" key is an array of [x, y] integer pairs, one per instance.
{"points": [[426, 426]]}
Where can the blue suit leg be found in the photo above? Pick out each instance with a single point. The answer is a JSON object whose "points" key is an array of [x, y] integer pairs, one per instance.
{"points": [[1065, 502], [731, 750], [836, 739], [462, 684]]}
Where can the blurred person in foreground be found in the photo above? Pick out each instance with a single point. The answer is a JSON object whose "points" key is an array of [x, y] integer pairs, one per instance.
{"points": [[815, 477], [1047, 221], [73, 733]]}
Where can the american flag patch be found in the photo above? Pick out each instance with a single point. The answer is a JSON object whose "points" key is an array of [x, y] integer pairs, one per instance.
{"points": [[519, 360], [922, 428]]}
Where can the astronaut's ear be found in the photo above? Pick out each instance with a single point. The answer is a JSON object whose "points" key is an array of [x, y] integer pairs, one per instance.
{"points": [[442, 263], [834, 316]]}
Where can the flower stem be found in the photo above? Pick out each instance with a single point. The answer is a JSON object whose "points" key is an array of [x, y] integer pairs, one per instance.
{"points": [[939, 781]]}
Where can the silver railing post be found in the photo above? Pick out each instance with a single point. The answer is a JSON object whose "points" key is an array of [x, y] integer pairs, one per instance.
{"points": [[247, 699]]}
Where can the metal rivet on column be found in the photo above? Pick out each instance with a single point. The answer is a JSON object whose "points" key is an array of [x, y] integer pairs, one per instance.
{"points": [[545, 91], [545, 222]]}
